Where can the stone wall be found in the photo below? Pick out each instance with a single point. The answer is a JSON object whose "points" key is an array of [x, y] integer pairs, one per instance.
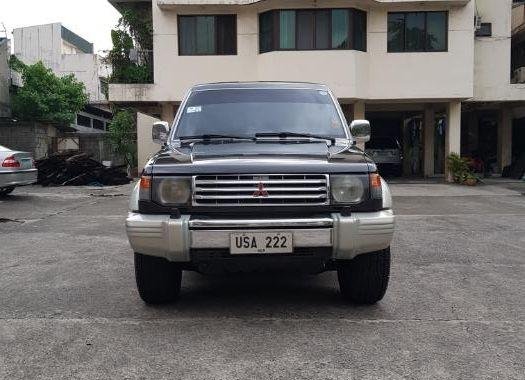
{"points": [[98, 148], [42, 140], [28, 137]]}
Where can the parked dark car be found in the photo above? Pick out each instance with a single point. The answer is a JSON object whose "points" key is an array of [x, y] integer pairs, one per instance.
{"points": [[387, 154], [256, 177]]}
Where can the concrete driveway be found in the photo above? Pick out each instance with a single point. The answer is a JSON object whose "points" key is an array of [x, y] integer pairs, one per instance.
{"points": [[454, 310]]}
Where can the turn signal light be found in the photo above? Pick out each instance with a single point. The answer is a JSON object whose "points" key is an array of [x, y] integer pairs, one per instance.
{"points": [[375, 181], [10, 162], [145, 183], [145, 188], [375, 186]]}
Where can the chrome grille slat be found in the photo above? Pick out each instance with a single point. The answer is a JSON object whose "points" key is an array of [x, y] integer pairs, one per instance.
{"points": [[252, 189], [239, 196], [249, 182], [277, 190]]}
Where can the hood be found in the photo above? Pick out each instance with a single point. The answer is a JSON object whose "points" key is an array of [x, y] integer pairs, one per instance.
{"points": [[260, 158], [201, 151]]}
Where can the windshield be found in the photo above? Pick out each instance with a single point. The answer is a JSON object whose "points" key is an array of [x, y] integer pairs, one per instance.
{"points": [[247, 112]]}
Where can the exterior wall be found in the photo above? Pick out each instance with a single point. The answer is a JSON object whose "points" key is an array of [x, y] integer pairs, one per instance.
{"points": [[87, 69], [41, 140], [44, 43], [446, 75], [5, 51], [39, 43], [98, 148], [146, 146], [371, 75], [492, 55], [27, 137], [68, 48]]}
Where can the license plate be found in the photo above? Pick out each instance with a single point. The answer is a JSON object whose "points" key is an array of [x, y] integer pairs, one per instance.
{"points": [[26, 163], [261, 242]]}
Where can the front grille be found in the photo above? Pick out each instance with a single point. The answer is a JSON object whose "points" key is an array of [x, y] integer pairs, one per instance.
{"points": [[257, 190]]}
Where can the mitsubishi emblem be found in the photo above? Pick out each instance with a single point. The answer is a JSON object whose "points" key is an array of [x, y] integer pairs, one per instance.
{"points": [[260, 192]]}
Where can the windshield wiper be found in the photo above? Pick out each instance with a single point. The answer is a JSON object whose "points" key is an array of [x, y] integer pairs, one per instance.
{"points": [[210, 137], [284, 135]]}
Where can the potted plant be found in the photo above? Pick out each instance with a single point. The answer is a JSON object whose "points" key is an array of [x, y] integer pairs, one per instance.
{"points": [[461, 171], [470, 180]]}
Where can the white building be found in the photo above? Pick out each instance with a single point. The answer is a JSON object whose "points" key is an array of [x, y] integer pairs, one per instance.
{"points": [[436, 74], [65, 53]]}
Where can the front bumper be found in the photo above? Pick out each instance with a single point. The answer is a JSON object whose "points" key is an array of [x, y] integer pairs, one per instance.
{"points": [[175, 238], [18, 177]]}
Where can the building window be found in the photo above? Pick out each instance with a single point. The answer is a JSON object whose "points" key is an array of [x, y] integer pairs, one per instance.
{"points": [[98, 124], [312, 29], [417, 32], [207, 35]]}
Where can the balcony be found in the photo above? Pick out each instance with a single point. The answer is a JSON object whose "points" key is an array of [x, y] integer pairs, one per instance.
{"points": [[131, 93]]}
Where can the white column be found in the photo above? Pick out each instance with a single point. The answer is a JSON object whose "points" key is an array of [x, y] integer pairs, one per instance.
{"points": [[358, 113], [429, 132], [453, 133], [167, 113], [504, 138]]}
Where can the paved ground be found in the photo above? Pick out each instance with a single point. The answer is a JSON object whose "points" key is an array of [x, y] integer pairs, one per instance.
{"points": [[455, 308]]}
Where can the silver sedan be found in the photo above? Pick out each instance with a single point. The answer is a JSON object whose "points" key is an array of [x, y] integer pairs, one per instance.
{"points": [[16, 169]]}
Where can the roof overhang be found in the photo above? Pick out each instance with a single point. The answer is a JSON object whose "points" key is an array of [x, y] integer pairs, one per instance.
{"points": [[166, 4], [118, 4], [170, 3]]}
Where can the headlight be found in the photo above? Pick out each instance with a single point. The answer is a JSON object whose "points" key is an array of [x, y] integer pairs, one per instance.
{"points": [[172, 191], [347, 188]]}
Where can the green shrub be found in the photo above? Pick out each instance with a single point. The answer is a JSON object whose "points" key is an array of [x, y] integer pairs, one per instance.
{"points": [[459, 168], [122, 135], [46, 97]]}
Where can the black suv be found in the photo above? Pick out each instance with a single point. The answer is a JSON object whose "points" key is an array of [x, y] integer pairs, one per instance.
{"points": [[261, 176]]}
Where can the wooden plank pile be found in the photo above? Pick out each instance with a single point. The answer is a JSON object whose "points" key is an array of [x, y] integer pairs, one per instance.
{"points": [[77, 169]]}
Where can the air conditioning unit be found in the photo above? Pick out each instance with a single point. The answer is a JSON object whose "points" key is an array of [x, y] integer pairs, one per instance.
{"points": [[477, 22], [519, 75], [134, 55]]}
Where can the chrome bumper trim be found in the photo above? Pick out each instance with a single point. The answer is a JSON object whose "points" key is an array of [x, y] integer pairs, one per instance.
{"points": [[159, 235], [349, 236], [362, 232], [260, 223]]}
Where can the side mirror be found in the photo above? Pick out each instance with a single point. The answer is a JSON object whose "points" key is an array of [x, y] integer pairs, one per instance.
{"points": [[360, 130], [159, 132]]}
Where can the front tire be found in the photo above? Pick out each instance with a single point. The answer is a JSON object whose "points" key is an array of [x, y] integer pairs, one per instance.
{"points": [[158, 280], [364, 279], [6, 190]]}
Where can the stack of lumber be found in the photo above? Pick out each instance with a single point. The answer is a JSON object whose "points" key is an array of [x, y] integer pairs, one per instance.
{"points": [[74, 169]]}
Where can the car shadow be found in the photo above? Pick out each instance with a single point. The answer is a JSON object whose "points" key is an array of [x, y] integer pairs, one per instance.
{"points": [[13, 197], [264, 295]]}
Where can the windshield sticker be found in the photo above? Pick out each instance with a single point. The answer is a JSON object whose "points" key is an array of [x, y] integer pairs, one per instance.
{"points": [[323, 93], [194, 109]]}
